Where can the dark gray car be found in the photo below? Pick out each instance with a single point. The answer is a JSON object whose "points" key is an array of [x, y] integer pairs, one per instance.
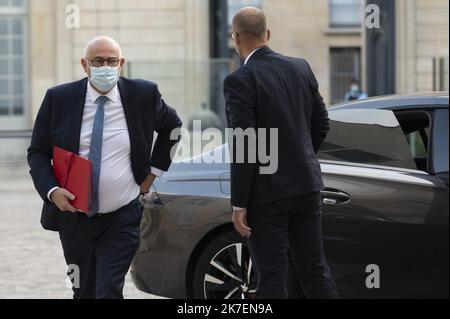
{"points": [[386, 211]]}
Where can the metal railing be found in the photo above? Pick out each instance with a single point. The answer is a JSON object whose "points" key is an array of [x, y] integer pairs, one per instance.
{"points": [[13, 147], [440, 73], [191, 86], [15, 134]]}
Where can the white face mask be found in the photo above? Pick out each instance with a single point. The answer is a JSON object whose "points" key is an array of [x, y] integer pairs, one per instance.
{"points": [[354, 88], [104, 78]]}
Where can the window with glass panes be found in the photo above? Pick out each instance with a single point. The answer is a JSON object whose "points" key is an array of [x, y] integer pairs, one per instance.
{"points": [[12, 57], [345, 66], [345, 13]]}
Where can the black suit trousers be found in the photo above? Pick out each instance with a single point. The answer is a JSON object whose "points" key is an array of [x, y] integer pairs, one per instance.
{"points": [[290, 229], [102, 247]]}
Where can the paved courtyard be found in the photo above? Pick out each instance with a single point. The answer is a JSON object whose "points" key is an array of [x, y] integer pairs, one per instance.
{"points": [[32, 265]]}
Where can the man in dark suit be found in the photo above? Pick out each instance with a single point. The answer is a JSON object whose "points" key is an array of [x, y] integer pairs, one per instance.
{"points": [[278, 212], [111, 121]]}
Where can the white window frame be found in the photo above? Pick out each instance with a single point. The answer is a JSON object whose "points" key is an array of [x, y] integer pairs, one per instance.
{"points": [[12, 121], [334, 25]]}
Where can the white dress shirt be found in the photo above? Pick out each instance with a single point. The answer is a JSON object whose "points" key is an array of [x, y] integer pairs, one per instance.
{"points": [[117, 186], [250, 55]]}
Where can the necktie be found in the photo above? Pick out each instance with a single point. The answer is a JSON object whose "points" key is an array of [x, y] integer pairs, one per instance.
{"points": [[95, 151]]}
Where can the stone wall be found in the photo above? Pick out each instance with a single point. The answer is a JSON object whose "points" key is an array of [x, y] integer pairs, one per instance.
{"points": [[422, 34], [164, 41]]}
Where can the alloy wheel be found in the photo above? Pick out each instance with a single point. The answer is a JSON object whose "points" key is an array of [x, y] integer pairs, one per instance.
{"points": [[230, 274]]}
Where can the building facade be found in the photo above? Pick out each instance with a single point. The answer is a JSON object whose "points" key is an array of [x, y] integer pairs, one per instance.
{"points": [[183, 46], [165, 41], [422, 45], [329, 34]]}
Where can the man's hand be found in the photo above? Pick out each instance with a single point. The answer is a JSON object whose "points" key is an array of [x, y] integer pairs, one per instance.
{"points": [[145, 187], [62, 197], [240, 222]]}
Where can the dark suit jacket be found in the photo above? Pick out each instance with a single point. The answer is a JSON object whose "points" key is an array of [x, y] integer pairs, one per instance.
{"points": [[59, 123], [275, 91]]}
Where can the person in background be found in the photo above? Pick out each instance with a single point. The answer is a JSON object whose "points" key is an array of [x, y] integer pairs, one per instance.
{"points": [[355, 92]]}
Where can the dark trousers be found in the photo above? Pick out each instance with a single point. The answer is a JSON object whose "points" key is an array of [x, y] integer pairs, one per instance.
{"points": [[290, 227], [102, 247]]}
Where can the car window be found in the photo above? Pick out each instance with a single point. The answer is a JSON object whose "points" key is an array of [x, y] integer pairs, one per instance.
{"points": [[440, 141], [416, 127], [363, 136], [417, 144]]}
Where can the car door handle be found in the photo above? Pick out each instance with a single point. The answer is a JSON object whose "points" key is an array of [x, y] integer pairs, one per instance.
{"points": [[334, 197]]}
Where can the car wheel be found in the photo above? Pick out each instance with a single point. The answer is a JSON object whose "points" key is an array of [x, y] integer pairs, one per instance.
{"points": [[225, 270]]}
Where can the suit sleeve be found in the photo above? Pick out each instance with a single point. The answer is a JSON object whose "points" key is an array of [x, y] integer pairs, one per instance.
{"points": [[320, 123], [241, 114], [166, 121], [40, 152]]}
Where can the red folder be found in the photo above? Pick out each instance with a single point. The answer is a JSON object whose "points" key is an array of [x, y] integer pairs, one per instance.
{"points": [[74, 173]]}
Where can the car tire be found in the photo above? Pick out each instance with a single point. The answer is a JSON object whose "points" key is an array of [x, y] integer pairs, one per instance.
{"points": [[219, 267]]}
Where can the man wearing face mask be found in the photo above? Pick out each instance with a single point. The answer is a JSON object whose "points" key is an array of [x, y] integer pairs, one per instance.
{"points": [[355, 92], [109, 120]]}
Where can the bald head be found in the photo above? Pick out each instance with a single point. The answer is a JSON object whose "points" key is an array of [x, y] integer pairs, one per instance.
{"points": [[102, 46], [250, 23]]}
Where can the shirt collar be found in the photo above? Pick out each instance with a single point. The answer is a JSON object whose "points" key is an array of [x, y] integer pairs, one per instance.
{"points": [[92, 95], [250, 55]]}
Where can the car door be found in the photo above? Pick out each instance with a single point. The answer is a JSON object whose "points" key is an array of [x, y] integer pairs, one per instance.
{"points": [[437, 222], [376, 207]]}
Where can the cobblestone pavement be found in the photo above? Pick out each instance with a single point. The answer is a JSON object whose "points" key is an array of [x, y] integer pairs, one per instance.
{"points": [[32, 265]]}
